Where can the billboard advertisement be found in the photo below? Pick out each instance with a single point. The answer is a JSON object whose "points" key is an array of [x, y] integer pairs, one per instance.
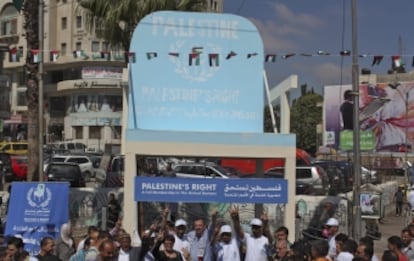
{"points": [[385, 120], [196, 72]]}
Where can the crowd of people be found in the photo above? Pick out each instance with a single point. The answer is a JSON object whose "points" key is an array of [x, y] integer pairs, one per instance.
{"points": [[210, 240]]}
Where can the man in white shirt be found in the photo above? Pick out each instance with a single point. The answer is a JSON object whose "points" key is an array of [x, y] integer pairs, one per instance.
{"points": [[227, 248], [257, 245], [411, 198], [333, 229], [181, 243]]}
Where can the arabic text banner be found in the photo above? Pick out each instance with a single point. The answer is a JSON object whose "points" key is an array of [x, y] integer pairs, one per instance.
{"points": [[247, 190]]}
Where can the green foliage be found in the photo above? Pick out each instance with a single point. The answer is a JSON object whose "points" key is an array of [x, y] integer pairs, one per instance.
{"points": [[268, 126], [115, 21], [305, 115]]}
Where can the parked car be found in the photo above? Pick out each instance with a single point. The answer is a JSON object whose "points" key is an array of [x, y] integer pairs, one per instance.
{"points": [[313, 175], [340, 176], [15, 148], [69, 146], [84, 162], [346, 168], [6, 166], [302, 187], [65, 172], [19, 167], [202, 170]]}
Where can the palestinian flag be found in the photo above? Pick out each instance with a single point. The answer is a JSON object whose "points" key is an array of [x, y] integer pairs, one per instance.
{"points": [[14, 55], [36, 56], [270, 58], [194, 59], [151, 55], [54, 55], [213, 59], [130, 57]]}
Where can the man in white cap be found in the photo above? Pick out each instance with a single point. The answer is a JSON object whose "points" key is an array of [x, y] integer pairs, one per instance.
{"points": [[181, 244], [332, 225], [227, 248], [256, 243]]}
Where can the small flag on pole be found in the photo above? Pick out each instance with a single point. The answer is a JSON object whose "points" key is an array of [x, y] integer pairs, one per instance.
{"points": [[194, 59], [151, 55], [14, 55], [345, 53], [377, 60], [396, 61], [36, 56], [106, 55], [230, 54], [54, 55], [129, 57], [173, 54], [213, 59], [270, 58], [288, 55], [322, 53], [250, 55]]}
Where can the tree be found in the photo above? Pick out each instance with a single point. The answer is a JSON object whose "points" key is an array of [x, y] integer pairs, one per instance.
{"points": [[115, 21], [305, 116], [268, 126], [31, 27]]}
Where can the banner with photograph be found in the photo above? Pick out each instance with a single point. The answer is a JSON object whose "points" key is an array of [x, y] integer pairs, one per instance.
{"points": [[386, 110]]}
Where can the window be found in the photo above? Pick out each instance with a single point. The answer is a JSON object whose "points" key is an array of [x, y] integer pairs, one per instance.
{"points": [[21, 97], [8, 21], [63, 49], [95, 132], [117, 132], [303, 173], [95, 46], [78, 132], [64, 23], [78, 21], [78, 46], [105, 46]]}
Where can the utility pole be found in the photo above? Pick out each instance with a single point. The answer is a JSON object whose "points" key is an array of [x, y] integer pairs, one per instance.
{"points": [[356, 148], [40, 86]]}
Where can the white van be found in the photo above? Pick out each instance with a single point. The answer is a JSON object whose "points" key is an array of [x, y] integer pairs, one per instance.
{"points": [[70, 146]]}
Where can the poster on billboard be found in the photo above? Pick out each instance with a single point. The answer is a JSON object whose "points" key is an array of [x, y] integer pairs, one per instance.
{"points": [[386, 113], [37, 210]]}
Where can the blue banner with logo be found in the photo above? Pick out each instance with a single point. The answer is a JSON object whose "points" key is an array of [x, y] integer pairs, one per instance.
{"points": [[247, 190], [37, 210]]}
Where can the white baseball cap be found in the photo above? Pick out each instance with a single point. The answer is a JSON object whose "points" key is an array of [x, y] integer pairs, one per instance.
{"points": [[180, 222], [332, 222], [256, 222], [225, 229]]}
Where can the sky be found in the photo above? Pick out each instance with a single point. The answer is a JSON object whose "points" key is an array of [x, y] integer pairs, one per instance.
{"points": [[384, 27]]}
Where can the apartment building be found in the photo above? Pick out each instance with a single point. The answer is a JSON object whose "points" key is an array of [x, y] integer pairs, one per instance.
{"points": [[82, 81]]}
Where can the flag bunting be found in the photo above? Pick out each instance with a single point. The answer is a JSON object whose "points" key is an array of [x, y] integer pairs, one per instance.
{"points": [[195, 57]]}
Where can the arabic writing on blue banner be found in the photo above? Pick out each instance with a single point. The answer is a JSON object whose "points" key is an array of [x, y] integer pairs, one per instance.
{"points": [[37, 210], [211, 190]]}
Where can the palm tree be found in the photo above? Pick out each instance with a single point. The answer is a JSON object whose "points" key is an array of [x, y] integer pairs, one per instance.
{"points": [[31, 27], [115, 21]]}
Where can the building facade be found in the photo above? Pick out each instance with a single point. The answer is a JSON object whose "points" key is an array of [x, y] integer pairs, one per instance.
{"points": [[82, 81]]}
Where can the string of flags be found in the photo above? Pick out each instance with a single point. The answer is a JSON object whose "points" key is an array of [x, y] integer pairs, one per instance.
{"points": [[194, 57]]}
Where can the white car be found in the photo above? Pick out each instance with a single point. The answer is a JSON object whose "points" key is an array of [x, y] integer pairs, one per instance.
{"points": [[86, 165]]}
